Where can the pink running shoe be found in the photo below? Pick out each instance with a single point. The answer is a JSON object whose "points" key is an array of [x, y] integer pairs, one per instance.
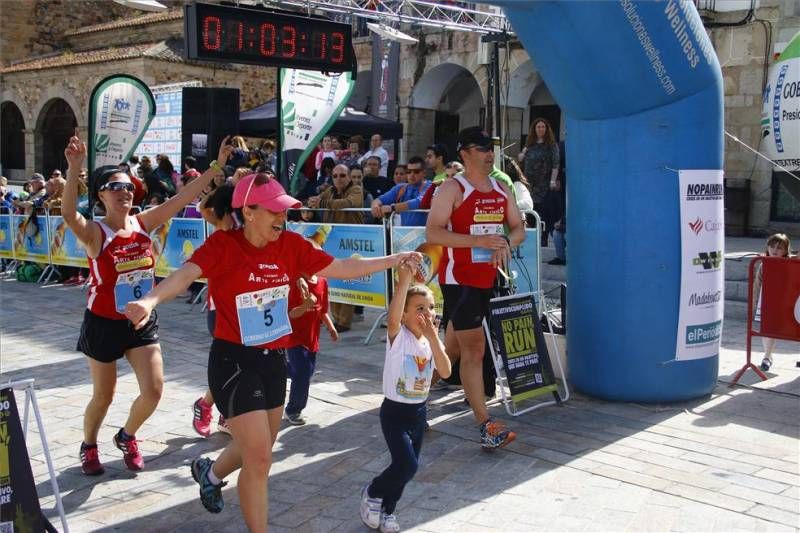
{"points": [[222, 425], [90, 462], [130, 452], [201, 417]]}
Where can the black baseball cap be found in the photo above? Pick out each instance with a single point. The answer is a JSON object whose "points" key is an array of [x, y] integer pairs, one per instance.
{"points": [[473, 136]]}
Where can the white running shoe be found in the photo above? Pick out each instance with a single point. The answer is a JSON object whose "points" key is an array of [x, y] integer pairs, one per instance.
{"points": [[370, 509], [389, 523]]}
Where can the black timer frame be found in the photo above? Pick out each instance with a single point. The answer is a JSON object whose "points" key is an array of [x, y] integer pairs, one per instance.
{"points": [[266, 37]]}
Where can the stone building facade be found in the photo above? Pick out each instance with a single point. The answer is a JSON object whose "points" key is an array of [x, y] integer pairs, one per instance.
{"points": [[47, 76], [443, 85]]}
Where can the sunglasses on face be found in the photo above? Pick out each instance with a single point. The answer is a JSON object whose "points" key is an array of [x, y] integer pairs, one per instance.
{"points": [[415, 170], [483, 149], [116, 186]]}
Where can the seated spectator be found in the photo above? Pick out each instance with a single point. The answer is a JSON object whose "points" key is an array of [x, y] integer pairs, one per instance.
{"points": [[400, 175], [357, 177], [165, 172], [326, 151], [374, 182], [241, 153], [377, 150], [435, 157], [55, 190], [189, 169], [389, 201], [343, 195]]}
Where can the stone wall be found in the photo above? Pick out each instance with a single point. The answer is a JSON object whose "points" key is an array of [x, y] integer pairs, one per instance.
{"points": [[741, 52]]}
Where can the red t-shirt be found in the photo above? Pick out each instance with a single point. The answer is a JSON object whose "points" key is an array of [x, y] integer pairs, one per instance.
{"points": [[480, 213], [234, 267], [139, 191], [305, 328]]}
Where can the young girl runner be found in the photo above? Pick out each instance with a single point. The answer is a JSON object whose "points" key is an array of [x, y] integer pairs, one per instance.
{"points": [[413, 349], [778, 245], [309, 309]]}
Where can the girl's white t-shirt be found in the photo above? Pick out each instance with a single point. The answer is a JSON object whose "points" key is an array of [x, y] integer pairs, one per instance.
{"points": [[408, 368]]}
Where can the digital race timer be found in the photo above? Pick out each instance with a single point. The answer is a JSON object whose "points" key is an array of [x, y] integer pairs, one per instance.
{"points": [[231, 34]]}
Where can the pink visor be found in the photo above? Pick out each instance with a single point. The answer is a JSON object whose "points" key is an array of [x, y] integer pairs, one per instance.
{"points": [[269, 194]]}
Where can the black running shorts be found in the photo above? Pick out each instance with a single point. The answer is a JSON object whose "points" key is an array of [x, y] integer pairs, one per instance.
{"points": [[106, 339], [244, 379], [464, 306]]}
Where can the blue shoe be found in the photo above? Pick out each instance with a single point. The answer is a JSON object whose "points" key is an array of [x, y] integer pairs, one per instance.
{"points": [[210, 494]]}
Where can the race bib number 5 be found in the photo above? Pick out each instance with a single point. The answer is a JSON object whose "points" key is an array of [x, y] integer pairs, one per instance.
{"points": [[132, 286], [484, 255], [263, 315]]}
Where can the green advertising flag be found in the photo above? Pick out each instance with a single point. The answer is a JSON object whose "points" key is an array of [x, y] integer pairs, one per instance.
{"points": [[120, 110]]}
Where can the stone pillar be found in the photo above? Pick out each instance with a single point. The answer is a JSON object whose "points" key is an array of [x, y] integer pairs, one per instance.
{"points": [[418, 130], [30, 153], [512, 128]]}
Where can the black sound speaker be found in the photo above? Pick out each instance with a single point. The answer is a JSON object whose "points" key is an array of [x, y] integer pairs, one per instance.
{"points": [[213, 112]]}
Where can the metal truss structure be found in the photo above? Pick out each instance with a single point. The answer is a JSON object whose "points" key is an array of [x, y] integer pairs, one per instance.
{"points": [[442, 15]]}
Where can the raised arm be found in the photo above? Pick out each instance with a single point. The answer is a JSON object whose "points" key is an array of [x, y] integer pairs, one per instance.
{"points": [[87, 232], [138, 312], [152, 218], [398, 303]]}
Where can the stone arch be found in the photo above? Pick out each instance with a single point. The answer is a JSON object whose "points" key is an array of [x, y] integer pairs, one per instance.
{"points": [[528, 97], [55, 123], [12, 140], [453, 99]]}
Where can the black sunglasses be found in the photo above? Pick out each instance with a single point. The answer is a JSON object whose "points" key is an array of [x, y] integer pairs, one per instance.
{"points": [[416, 170], [482, 148], [116, 186]]}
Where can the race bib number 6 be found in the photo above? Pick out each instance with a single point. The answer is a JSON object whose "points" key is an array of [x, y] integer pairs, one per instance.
{"points": [[263, 315], [132, 286]]}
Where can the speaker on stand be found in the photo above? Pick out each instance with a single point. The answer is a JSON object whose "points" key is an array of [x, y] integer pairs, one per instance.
{"points": [[213, 112]]}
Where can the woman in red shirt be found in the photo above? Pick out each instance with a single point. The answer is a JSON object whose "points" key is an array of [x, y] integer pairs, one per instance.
{"points": [[122, 265], [249, 272]]}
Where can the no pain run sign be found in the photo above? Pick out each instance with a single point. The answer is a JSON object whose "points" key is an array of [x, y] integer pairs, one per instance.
{"points": [[19, 503], [517, 337]]}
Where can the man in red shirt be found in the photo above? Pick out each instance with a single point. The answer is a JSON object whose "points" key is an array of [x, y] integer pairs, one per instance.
{"points": [[469, 216]]}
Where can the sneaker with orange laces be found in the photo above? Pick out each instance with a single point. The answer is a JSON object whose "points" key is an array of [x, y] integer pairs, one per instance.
{"points": [[495, 435], [201, 421], [130, 451], [90, 461]]}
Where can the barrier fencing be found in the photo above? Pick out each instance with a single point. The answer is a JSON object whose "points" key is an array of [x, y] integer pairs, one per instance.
{"points": [[47, 240]]}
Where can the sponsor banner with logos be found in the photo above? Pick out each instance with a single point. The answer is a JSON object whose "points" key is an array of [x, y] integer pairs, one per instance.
{"points": [[780, 115], [65, 249], [164, 134], [702, 264], [350, 240], [6, 238], [120, 110], [175, 242], [31, 241]]}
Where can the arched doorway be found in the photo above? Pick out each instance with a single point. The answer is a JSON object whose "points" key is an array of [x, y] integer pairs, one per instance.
{"points": [[453, 100], [55, 126], [541, 104], [12, 141], [526, 99]]}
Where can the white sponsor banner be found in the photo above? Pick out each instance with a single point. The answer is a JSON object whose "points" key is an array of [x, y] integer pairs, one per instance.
{"points": [[702, 264], [311, 102], [164, 134], [780, 115], [120, 110]]}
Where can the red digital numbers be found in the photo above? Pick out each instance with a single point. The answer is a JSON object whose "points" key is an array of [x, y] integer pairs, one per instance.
{"points": [[289, 41], [267, 44], [337, 47], [212, 33], [239, 36]]}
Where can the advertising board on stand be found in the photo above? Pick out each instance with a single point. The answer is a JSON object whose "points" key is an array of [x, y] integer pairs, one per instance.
{"points": [[174, 242], [6, 238], [65, 249], [702, 293], [31, 240]]}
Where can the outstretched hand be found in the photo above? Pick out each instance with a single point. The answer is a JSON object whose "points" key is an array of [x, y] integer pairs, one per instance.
{"points": [[75, 152], [225, 151]]}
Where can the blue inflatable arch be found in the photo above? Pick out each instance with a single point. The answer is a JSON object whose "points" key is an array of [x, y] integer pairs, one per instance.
{"points": [[641, 88]]}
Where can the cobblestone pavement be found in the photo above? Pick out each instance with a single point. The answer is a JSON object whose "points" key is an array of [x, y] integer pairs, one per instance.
{"points": [[721, 463]]}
